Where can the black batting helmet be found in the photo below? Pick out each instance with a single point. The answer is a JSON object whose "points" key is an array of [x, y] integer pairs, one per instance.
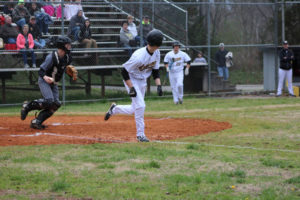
{"points": [[176, 43], [155, 38], [61, 41]]}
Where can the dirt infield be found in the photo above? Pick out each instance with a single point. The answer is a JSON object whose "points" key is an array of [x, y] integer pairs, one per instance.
{"points": [[93, 129]]}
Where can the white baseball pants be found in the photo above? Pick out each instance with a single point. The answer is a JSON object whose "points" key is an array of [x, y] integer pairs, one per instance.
{"points": [[176, 82], [137, 106], [282, 75]]}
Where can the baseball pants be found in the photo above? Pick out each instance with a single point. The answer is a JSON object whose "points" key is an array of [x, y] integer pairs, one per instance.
{"points": [[49, 92], [176, 81], [282, 75], [137, 106]]}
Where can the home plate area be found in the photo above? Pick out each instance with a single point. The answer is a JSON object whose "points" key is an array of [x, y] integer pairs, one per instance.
{"points": [[93, 129]]}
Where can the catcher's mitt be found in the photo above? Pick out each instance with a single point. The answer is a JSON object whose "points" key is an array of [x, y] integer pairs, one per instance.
{"points": [[72, 72]]}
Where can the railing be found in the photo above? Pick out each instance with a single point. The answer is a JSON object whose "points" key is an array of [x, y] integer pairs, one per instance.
{"points": [[161, 13]]}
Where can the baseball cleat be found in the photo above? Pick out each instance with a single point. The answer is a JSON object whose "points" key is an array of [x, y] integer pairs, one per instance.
{"points": [[109, 112], [36, 125], [24, 111], [292, 95], [142, 139], [180, 101]]}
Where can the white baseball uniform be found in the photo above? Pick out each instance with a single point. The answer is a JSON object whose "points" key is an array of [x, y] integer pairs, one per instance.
{"points": [[176, 65], [139, 68]]}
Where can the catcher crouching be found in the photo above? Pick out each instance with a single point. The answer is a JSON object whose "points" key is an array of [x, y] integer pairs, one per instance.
{"points": [[50, 73]]}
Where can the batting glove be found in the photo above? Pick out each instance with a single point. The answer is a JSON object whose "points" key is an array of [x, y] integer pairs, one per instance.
{"points": [[186, 71], [132, 92]]}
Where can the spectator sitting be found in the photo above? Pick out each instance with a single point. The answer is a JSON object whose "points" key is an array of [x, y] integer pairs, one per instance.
{"points": [[42, 19], [48, 7], [72, 9], [146, 28], [25, 44], [2, 20], [9, 32], [36, 34], [20, 14], [126, 38], [132, 28], [76, 23], [85, 37], [9, 7], [200, 58]]}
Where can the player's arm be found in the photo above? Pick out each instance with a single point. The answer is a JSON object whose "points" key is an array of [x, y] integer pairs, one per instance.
{"points": [[44, 67], [155, 74], [166, 63], [126, 78], [188, 64]]}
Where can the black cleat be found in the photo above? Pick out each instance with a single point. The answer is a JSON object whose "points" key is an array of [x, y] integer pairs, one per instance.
{"points": [[35, 124], [180, 101], [24, 111], [292, 95], [109, 112], [142, 139]]}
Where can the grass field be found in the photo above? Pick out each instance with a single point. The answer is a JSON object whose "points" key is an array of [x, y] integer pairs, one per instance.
{"points": [[258, 158]]}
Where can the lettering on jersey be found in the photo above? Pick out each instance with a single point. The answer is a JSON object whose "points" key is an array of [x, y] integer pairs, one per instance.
{"points": [[150, 65], [176, 59]]}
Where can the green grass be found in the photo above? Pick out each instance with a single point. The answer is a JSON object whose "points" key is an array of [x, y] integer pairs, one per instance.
{"points": [[210, 166]]}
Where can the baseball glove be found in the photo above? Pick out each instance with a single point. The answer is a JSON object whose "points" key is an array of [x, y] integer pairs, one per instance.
{"points": [[72, 72]]}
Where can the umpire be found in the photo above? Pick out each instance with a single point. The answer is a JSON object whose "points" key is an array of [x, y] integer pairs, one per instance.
{"points": [[285, 71], [50, 73]]}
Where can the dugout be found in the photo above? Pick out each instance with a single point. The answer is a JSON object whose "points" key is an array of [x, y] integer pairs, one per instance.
{"points": [[270, 70]]}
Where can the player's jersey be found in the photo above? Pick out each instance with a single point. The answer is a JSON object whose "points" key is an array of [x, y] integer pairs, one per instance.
{"points": [[141, 63], [176, 61]]}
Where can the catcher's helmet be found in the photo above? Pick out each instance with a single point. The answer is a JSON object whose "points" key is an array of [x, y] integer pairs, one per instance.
{"points": [[176, 43], [61, 41], [155, 38]]}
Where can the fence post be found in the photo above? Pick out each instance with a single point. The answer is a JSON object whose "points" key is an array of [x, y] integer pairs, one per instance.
{"points": [[276, 41], [208, 49], [63, 33]]}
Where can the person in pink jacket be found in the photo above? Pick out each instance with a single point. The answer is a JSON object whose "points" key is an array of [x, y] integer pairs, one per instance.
{"points": [[25, 44]]}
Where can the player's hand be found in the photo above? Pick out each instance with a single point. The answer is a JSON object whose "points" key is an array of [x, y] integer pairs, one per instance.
{"points": [[159, 90], [186, 71], [132, 92], [48, 79]]}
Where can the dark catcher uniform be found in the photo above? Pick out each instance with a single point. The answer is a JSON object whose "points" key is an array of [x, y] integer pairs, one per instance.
{"points": [[54, 67]]}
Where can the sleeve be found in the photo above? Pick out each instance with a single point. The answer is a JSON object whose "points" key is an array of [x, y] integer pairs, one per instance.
{"points": [[166, 59], [187, 58], [19, 42], [217, 58], [47, 64], [157, 60], [31, 42], [132, 64], [281, 55]]}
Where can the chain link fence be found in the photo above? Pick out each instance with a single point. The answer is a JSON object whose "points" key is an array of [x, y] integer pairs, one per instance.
{"points": [[248, 30]]}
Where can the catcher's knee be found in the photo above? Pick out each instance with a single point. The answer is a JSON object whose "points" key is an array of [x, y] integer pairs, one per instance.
{"points": [[55, 106]]}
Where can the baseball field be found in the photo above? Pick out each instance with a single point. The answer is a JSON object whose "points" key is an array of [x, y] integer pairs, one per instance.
{"points": [[240, 147]]}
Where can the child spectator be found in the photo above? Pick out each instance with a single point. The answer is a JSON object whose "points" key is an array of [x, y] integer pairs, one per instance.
{"points": [[9, 32], [48, 7], [20, 14], [200, 58], [42, 19], [25, 45], [36, 34], [76, 23], [126, 38]]}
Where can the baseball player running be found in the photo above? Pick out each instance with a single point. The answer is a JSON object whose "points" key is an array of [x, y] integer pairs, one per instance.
{"points": [[174, 61], [50, 73], [137, 69]]}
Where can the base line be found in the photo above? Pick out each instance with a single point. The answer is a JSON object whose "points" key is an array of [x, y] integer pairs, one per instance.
{"points": [[228, 146]]}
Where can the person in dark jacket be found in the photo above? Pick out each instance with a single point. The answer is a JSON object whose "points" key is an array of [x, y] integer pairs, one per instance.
{"points": [[43, 20], [76, 23], [20, 14], [85, 38], [146, 28], [9, 33], [285, 70], [221, 62], [36, 33], [9, 7]]}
